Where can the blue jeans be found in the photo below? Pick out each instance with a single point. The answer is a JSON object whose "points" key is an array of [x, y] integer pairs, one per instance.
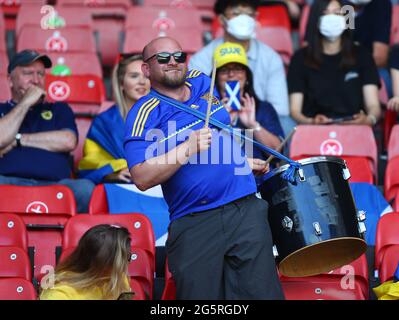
{"points": [[81, 188]]}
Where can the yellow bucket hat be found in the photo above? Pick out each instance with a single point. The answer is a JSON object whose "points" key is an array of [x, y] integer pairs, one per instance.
{"points": [[230, 52]]}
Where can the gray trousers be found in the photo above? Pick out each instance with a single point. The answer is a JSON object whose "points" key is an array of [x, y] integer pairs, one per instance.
{"points": [[224, 253], [81, 188]]}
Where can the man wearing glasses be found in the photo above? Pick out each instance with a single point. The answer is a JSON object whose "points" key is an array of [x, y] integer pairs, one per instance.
{"points": [[219, 244]]}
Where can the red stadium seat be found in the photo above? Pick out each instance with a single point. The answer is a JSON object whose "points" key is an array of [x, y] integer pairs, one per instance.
{"points": [[350, 282], [13, 231], [393, 146], [85, 94], [390, 120], [125, 4], [145, 23], [11, 8], [386, 236], [17, 289], [39, 16], [80, 63], [303, 22], [98, 201], [45, 210], [169, 291], [396, 202], [279, 39], [137, 289], [335, 140], [201, 4], [61, 40], [14, 263], [395, 24], [391, 181], [138, 225], [140, 269], [389, 263]]}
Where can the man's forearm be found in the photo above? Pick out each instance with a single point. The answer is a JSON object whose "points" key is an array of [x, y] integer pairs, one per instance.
{"points": [[10, 124], [54, 141], [159, 169]]}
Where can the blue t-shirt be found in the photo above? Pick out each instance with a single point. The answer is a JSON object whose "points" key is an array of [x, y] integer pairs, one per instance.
{"points": [[210, 179], [35, 163], [373, 23]]}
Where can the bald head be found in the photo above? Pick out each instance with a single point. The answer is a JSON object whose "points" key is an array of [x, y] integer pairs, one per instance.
{"points": [[160, 44]]}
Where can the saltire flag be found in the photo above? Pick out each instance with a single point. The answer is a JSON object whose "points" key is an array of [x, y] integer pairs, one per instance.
{"points": [[233, 93], [127, 198]]}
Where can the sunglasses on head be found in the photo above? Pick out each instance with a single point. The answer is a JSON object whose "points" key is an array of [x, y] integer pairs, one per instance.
{"points": [[164, 57]]}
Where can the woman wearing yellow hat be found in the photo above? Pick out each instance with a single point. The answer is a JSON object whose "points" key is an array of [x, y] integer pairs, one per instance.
{"points": [[247, 112]]}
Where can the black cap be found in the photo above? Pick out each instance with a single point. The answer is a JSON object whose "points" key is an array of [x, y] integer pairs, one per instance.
{"points": [[26, 57]]}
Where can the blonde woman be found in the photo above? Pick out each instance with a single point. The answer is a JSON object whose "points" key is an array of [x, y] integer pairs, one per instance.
{"points": [[97, 269], [103, 156]]}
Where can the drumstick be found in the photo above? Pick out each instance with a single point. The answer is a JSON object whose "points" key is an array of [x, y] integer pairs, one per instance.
{"points": [[208, 112], [281, 145]]}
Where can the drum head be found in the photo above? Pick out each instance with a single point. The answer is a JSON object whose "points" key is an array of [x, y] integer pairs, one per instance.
{"points": [[322, 257]]}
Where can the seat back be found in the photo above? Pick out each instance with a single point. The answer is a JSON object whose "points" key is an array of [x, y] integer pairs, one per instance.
{"points": [[146, 23], [335, 140], [78, 63], [391, 181], [54, 199], [44, 210], [349, 282], [389, 263], [50, 17], [85, 93], [17, 289], [139, 226], [393, 145], [14, 263], [59, 40], [387, 235], [98, 201], [13, 231]]}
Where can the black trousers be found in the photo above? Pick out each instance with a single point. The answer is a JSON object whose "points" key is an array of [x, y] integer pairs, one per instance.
{"points": [[224, 253]]}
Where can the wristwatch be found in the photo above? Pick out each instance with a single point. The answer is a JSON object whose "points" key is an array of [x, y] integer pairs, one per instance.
{"points": [[18, 137]]}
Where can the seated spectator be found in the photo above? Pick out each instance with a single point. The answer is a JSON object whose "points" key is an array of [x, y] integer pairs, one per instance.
{"points": [[254, 114], [96, 270], [393, 103], [373, 27], [37, 136], [103, 155], [332, 79], [238, 20]]}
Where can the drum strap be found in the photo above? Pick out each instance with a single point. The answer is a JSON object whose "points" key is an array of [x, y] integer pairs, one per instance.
{"points": [[288, 174]]}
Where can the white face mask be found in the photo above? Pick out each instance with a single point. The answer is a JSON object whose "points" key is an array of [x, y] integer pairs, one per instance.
{"points": [[332, 26], [360, 2], [241, 27]]}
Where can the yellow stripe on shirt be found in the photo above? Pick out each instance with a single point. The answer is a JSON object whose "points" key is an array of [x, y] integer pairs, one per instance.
{"points": [[141, 114], [145, 116]]}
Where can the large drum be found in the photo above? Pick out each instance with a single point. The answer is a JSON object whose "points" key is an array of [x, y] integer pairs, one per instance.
{"points": [[315, 225]]}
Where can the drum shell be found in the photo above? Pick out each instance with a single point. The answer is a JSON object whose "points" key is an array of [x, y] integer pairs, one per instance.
{"points": [[312, 212]]}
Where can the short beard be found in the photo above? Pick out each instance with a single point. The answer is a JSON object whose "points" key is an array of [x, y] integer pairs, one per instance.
{"points": [[174, 82]]}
